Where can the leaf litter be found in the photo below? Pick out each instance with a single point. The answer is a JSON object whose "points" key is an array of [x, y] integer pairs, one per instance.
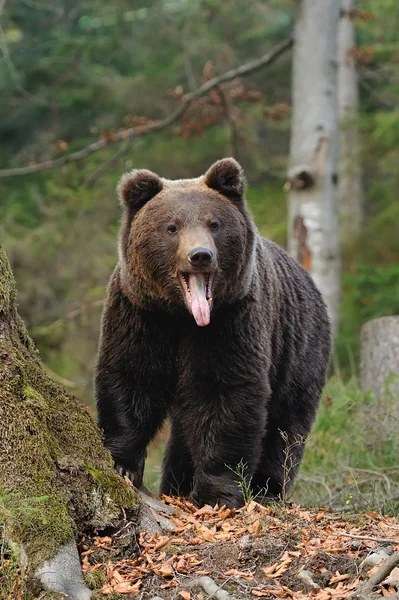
{"points": [[272, 551]]}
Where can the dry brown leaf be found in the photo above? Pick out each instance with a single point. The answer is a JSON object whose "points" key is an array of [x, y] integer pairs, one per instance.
{"points": [[163, 540], [170, 584], [239, 574], [338, 577], [251, 506], [124, 587], [388, 593], [319, 516], [181, 566], [225, 513], [256, 527], [102, 541], [185, 595], [270, 592], [177, 522], [166, 571], [205, 510], [270, 569], [194, 541], [190, 506], [117, 576], [85, 564], [108, 570]]}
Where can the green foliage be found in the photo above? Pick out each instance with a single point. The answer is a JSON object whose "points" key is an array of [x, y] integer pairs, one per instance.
{"points": [[369, 292], [243, 480], [351, 466]]}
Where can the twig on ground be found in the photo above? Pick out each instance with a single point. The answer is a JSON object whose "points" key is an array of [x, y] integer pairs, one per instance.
{"points": [[380, 540], [367, 588], [249, 67]]}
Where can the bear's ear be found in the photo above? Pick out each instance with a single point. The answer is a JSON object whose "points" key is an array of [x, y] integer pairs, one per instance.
{"points": [[137, 187], [227, 177]]}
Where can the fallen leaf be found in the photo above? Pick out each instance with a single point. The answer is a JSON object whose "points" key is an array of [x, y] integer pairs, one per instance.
{"points": [[99, 541], [117, 576], [166, 571], [239, 574], [163, 540], [205, 510], [181, 566], [338, 577], [122, 588], [185, 595], [256, 527]]}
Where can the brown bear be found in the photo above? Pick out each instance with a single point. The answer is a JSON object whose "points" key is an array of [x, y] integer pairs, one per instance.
{"points": [[215, 327]]}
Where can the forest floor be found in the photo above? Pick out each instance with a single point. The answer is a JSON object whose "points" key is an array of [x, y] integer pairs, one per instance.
{"points": [[275, 551]]}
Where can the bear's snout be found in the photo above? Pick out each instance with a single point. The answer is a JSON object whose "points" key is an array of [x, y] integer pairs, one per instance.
{"points": [[200, 258]]}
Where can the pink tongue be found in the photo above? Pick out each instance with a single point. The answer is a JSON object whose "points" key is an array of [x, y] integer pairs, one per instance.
{"points": [[199, 304]]}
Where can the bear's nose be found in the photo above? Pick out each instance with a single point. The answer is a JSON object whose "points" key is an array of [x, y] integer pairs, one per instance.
{"points": [[200, 257]]}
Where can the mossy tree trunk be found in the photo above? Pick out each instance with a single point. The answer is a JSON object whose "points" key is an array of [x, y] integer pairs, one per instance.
{"points": [[50, 449]]}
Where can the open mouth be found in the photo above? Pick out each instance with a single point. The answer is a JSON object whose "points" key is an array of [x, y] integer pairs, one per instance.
{"points": [[197, 288]]}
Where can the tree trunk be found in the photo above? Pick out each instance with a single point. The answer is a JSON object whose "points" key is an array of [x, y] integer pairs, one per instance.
{"points": [[350, 177], [379, 356], [313, 237], [56, 479]]}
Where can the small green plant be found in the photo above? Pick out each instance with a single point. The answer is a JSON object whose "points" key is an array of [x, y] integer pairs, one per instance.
{"points": [[243, 480]]}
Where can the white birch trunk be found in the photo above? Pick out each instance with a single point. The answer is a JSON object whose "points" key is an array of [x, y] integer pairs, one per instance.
{"points": [[350, 177], [313, 235]]}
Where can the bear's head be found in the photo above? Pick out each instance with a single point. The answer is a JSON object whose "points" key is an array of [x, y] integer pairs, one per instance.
{"points": [[186, 243]]}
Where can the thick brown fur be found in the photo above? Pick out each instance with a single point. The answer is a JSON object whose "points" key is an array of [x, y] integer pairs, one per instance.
{"points": [[243, 388]]}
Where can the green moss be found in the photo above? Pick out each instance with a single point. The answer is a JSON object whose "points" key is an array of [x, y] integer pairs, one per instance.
{"points": [[95, 579], [47, 440], [98, 595], [7, 285], [121, 493]]}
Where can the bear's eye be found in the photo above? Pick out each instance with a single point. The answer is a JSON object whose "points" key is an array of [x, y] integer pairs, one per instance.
{"points": [[172, 229], [214, 225]]}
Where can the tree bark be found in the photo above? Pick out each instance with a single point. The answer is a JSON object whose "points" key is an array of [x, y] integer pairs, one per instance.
{"points": [[379, 356], [350, 189], [313, 237], [50, 449]]}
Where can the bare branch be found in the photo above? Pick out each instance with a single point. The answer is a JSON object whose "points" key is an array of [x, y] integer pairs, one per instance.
{"points": [[366, 589], [241, 71], [370, 538]]}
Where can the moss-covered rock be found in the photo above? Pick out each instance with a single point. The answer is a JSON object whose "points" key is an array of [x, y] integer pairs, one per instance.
{"points": [[50, 448]]}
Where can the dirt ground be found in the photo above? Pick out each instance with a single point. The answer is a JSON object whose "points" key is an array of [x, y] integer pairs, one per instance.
{"points": [[271, 552]]}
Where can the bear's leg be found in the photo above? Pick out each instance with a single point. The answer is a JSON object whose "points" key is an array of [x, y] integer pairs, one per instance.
{"points": [[177, 468], [283, 447], [225, 441], [134, 376]]}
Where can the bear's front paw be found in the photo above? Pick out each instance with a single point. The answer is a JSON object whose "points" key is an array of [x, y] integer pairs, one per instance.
{"points": [[135, 476], [124, 472], [219, 490]]}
